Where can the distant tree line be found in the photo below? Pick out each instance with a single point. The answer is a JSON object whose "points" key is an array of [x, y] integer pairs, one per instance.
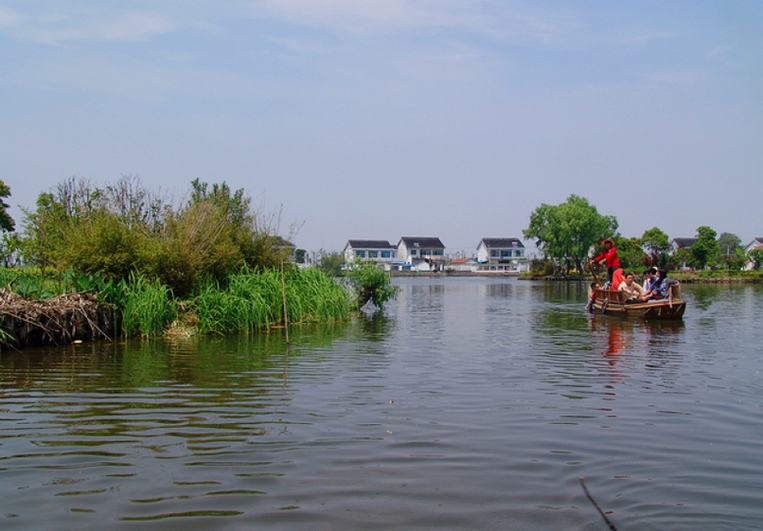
{"points": [[567, 234]]}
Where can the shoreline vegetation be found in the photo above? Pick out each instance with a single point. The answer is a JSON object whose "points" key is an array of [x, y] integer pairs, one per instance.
{"points": [[246, 302], [121, 261]]}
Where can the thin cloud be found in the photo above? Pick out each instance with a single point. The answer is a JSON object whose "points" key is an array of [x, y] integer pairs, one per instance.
{"points": [[85, 26]]}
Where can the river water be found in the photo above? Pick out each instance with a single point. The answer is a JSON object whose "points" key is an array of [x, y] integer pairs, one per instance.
{"points": [[472, 404]]}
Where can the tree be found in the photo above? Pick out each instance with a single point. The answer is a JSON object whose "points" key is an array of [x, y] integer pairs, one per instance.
{"points": [[6, 221], [706, 248], [657, 245], [631, 253], [732, 255], [566, 232], [756, 257]]}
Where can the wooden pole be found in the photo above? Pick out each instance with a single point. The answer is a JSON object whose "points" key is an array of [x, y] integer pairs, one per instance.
{"points": [[285, 314]]}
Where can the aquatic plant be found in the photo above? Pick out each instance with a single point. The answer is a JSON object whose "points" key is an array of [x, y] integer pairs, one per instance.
{"points": [[253, 300], [147, 306]]}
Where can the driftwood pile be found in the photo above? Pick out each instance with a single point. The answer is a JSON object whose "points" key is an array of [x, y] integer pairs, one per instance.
{"points": [[57, 321]]}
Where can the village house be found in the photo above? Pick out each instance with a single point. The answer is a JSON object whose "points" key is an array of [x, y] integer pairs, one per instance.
{"points": [[421, 254], [501, 255], [380, 251]]}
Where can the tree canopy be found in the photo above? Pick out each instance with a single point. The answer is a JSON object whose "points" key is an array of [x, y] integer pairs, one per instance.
{"points": [[706, 247], [121, 228], [565, 233], [6, 221], [657, 245]]}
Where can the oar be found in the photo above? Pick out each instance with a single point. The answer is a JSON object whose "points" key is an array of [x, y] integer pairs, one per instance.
{"points": [[590, 266]]}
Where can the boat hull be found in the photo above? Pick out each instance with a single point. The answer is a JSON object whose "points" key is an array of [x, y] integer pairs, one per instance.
{"points": [[612, 302]]}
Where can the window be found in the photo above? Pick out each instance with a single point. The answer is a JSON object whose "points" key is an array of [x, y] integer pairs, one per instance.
{"points": [[494, 253], [437, 252], [360, 254], [373, 254], [386, 254], [505, 254], [414, 252]]}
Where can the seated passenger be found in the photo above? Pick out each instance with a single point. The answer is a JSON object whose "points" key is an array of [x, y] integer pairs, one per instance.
{"points": [[663, 290], [634, 292]]}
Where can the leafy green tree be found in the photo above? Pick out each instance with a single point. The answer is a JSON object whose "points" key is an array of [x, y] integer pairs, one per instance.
{"points": [[6, 221], [755, 256], [729, 242], [732, 255], [631, 253], [682, 257], [706, 248], [657, 245], [566, 232]]}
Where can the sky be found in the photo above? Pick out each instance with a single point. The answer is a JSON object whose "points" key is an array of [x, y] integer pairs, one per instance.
{"points": [[378, 119]]}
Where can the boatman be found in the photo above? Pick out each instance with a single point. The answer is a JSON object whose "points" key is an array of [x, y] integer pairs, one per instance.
{"points": [[609, 257]]}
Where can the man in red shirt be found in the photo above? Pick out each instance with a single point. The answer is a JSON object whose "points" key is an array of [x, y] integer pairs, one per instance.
{"points": [[609, 256]]}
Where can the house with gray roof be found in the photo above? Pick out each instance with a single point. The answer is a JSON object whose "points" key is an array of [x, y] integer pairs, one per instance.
{"points": [[501, 255], [421, 253], [380, 251]]}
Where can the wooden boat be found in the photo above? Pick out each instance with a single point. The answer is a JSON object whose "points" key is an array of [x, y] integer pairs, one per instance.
{"points": [[613, 302]]}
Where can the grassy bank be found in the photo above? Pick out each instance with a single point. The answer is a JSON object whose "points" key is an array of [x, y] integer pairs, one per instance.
{"points": [[250, 300]]}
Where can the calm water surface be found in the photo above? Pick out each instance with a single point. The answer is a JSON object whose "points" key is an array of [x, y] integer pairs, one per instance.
{"points": [[474, 404]]}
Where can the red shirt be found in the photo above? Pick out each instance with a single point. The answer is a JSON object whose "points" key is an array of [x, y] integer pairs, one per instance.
{"points": [[610, 256]]}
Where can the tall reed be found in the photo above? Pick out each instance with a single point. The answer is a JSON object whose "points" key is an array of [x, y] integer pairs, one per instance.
{"points": [[147, 306], [253, 300]]}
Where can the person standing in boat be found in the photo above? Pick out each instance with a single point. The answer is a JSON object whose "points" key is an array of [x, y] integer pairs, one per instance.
{"points": [[609, 257]]}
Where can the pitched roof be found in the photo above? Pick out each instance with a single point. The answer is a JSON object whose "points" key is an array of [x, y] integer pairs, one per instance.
{"points": [[370, 244], [427, 243], [684, 242], [502, 242], [458, 261], [756, 243]]}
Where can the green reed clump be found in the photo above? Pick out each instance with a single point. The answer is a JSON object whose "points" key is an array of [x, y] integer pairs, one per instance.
{"points": [[253, 300], [147, 306]]}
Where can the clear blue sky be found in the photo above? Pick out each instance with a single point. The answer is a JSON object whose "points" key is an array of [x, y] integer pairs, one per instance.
{"points": [[376, 119]]}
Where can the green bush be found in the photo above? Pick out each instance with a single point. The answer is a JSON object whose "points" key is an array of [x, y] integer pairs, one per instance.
{"points": [[371, 283]]}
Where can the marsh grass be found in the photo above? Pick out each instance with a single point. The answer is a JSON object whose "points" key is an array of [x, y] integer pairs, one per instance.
{"points": [[147, 306], [253, 300]]}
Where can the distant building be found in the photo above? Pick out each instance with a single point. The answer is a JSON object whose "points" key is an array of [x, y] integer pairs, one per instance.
{"points": [[501, 255], [464, 264], [380, 251], [681, 243], [420, 254]]}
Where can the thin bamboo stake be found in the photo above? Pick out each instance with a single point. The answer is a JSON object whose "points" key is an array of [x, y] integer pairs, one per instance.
{"points": [[285, 315]]}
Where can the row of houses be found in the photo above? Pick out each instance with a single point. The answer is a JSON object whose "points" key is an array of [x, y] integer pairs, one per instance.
{"points": [[427, 254]]}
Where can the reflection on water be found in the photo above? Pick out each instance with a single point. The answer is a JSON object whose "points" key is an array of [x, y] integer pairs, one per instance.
{"points": [[469, 404]]}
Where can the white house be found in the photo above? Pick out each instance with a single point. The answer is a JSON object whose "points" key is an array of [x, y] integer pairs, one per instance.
{"points": [[501, 255], [380, 251], [421, 254]]}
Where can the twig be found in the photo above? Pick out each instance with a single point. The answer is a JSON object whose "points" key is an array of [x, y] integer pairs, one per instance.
{"points": [[590, 498]]}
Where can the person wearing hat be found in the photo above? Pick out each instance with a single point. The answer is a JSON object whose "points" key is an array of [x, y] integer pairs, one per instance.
{"points": [[609, 257]]}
